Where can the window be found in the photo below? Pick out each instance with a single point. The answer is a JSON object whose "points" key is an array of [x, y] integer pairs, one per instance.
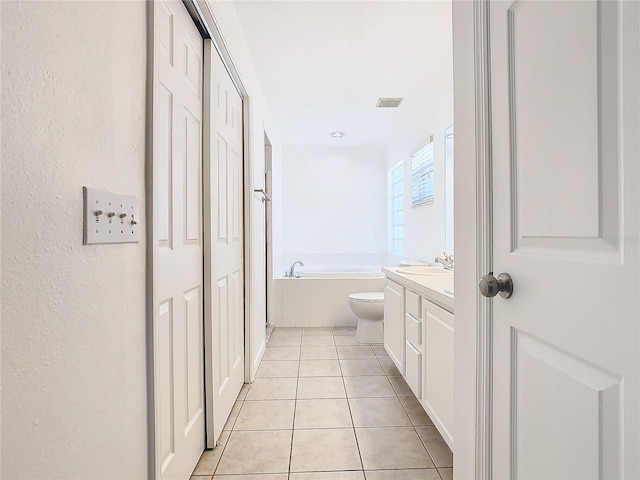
{"points": [[396, 209], [422, 175]]}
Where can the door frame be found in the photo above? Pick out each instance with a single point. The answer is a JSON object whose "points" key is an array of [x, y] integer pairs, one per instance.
{"points": [[205, 22], [473, 227], [268, 213]]}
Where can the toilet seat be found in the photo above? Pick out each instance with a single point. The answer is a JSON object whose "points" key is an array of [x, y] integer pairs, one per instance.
{"points": [[367, 297]]}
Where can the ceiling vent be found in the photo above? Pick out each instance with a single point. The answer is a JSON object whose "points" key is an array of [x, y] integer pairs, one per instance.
{"points": [[388, 102]]}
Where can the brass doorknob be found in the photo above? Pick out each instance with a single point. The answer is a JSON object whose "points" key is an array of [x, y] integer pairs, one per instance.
{"points": [[491, 286]]}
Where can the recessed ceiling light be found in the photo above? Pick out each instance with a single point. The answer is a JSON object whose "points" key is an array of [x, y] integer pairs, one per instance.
{"points": [[337, 134]]}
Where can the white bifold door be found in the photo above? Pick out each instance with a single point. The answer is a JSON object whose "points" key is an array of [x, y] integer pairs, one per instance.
{"points": [[565, 151], [177, 182], [224, 297]]}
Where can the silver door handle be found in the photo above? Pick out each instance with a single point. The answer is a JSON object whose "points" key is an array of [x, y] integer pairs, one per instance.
{"points": [[266, 197], [491, 286]]}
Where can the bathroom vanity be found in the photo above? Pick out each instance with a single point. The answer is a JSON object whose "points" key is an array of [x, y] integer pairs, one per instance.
{"points": [[418, 336]]}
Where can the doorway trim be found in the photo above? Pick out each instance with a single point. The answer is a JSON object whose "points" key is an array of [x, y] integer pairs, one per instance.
{"points": [[473, 240], [268, 207], [204, 20], [484, 240]]}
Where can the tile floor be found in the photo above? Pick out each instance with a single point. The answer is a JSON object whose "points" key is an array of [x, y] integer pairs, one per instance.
{"points": [[324, 407]]}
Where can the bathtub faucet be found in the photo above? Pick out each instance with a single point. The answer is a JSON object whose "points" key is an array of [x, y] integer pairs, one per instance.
{"points": [[292, 270]]}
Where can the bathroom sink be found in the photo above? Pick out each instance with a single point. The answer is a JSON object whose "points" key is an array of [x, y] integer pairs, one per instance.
{"points": [[423, 270]]}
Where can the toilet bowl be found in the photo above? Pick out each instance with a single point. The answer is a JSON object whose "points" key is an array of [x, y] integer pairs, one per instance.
{"points": [[369, 308]]}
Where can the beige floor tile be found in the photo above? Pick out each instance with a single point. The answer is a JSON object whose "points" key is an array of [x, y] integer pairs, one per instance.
{"points": [[401, 387], [389, 367], [437, 447], [210, 458], [355, 352], [415, 411], [368, 386], [319, 368], [378, 412], [243, 391], [322, 413], [324, 450], [200, 477], [281, 353], [367, 366], [264, 476], [392, 448], [282, 368], [319, 353], [284, 341], [321, 387], [380, 351], [317, 341], [446, 473], [344, 331], [233, 416], [266, 415], [273, 389], [256, 452], [327, 476], [322, 331], [422, 474], [346, 340]]}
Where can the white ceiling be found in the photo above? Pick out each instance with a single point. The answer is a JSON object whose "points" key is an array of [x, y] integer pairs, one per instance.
{"points": [[323, 64]]}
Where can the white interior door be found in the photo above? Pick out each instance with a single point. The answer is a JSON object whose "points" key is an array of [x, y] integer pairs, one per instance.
{"points": [[566, 356], [178, 218], [223, 262]]}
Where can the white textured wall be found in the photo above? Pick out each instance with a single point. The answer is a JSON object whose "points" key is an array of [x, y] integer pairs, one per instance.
{"points": [[333, 206], [73, 343], [226, 17], [425, 224]]}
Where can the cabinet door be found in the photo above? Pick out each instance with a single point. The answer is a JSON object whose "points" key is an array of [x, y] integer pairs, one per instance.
{"points": [[394, 323], [438, 368]]}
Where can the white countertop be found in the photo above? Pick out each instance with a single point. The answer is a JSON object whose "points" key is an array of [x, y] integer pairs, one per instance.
{"points": [[430, 286]]}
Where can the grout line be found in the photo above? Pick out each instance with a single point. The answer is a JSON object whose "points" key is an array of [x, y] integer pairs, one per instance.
{"points": [[224, 447], [295, 407], [353, 425]]}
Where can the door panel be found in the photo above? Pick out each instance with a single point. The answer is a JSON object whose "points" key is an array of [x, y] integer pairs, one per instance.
{"points": [[177, 181], [564, 90], [579, 134], [224, 262], [548, 380], [394, 320]]}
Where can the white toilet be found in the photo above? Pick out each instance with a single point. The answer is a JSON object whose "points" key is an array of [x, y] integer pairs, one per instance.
{"points": [[369, 308]]}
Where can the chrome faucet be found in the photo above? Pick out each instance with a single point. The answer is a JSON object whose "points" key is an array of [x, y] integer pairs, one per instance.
{"points": [[446, 260], [292, 271]]}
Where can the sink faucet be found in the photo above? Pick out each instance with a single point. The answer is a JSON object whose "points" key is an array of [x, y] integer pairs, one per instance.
{"points": [[446, 260], [292, 270]]}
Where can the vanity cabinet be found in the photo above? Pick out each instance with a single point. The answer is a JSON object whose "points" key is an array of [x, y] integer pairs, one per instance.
{"points": [[419, 337], [394, 336]]}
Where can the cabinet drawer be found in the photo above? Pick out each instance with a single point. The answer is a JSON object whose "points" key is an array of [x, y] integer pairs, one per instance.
{"points": [[414, 330], [413, 368], [413, 304]]}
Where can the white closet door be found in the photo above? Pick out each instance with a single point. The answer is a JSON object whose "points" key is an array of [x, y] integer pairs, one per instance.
{"points": [[177, 136], [224, 260]]}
